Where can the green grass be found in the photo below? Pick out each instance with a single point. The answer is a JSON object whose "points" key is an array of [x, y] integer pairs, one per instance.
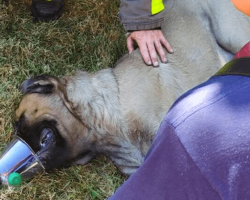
{"points": [[89, 37]]}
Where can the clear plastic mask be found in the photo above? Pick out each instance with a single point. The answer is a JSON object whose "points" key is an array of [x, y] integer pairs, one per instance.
{"points": [[19, 157]]}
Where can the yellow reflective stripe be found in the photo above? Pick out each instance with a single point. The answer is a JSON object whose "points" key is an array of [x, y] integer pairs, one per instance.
{"points": [[156, 6]]}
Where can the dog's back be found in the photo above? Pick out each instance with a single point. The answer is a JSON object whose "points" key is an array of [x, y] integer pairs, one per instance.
{"points": [[204, 35]]}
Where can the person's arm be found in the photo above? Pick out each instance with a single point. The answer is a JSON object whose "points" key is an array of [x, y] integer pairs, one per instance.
{"points": [[142, 19]]}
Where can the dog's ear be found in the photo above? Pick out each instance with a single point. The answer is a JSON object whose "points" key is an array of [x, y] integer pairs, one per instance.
{"points": [[40, 84], [46, 84]]}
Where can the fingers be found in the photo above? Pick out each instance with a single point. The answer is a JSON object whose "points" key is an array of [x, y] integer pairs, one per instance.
{"points": [[161, 42], [141, 44], [153, 54], [151, 43], [145, 53], [166, 44], [160, 51], [130, 44]]}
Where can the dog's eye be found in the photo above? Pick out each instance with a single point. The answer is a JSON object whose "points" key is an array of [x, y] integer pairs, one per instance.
{"points": [[46, 137]]}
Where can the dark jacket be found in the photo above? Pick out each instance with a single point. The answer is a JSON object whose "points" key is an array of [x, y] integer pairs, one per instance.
{"points": [[141, 14]]}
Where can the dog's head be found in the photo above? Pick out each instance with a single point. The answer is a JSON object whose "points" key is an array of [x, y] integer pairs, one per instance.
{"points": [[46, 121]]}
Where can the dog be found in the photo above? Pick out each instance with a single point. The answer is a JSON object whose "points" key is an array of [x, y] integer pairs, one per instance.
{"points": [[117, 111]]}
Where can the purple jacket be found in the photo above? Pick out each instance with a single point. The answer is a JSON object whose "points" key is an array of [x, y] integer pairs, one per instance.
{"points": [[202, 148]]}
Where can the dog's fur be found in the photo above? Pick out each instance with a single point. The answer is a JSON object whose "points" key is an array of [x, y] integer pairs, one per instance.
{"points": [[117, 111]]}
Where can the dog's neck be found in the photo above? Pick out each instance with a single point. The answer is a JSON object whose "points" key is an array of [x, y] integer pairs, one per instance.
{"points": [[95, 101]]}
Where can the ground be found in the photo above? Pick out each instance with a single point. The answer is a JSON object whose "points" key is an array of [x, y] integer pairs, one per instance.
{"points": [[89, 37]]}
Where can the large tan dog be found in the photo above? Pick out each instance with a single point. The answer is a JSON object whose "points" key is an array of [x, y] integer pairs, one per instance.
{"points": [[117, 111]]}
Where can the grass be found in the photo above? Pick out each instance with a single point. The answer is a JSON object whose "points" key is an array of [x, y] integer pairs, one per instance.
{"points": [[89, 37], [96, 180]]}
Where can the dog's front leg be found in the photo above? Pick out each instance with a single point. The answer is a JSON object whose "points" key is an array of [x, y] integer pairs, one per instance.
{"points": [[84, 158]]}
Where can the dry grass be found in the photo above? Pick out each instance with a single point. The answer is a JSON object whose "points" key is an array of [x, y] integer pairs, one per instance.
{"points": [[88, 36], [96, 180]]}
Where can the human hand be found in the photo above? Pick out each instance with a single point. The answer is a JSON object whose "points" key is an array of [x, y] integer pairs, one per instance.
{"points": [[149, 41]]}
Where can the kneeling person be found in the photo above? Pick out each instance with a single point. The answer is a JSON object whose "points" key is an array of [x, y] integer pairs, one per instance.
{"points": [[202, 148]]}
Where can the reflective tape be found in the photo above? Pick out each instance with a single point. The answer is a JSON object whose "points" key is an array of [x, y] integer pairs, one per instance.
{"points": [[156, 6]]}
